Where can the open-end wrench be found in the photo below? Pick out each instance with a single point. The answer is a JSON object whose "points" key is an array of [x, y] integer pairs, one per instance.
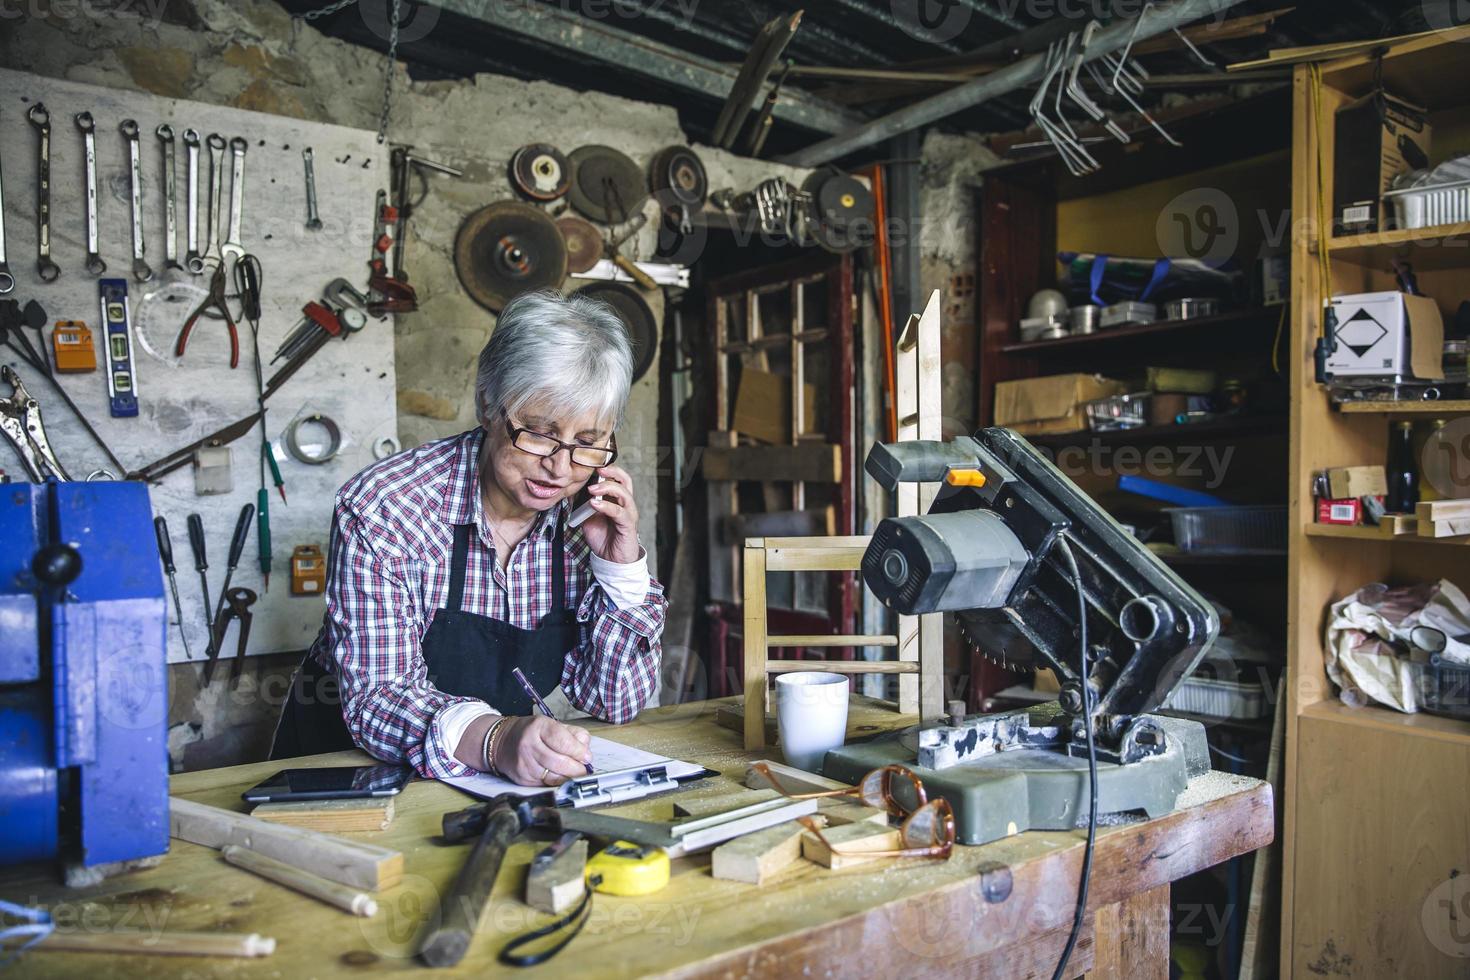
{"points": [[165, 134], [232, 249], [129, 129], [192, 260], [313, 220], [41, 120], [216, 144], [88, 128], [7, 281]]}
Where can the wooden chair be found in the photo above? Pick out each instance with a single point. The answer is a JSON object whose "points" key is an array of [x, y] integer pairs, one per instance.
{"points": [[920, 639]]}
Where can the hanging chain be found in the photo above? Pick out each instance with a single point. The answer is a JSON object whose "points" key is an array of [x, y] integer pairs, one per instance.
{"points": [[393, 16]]}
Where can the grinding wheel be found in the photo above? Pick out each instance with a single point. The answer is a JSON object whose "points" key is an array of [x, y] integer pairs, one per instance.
{"points": [[607, 186], [508, 248], [584, 242], [636, 316], [540, 171], [842, 210], [678, 177]]}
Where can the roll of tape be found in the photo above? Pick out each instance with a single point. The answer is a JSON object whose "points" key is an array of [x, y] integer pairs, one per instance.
{"points": [[334, 434]]}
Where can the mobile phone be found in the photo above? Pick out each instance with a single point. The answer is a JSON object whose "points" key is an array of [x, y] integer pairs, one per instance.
{"points": [[335, 783], [584, 501]]}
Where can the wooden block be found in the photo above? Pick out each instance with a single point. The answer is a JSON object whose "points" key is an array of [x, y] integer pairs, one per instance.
{"points": [[349, 862], [1351, 482], [756, 857], [708, 806], [559, 885], [852, 837], [330, 816], [793, 780], [843, 810], [1444, 529], [1443, 510]]}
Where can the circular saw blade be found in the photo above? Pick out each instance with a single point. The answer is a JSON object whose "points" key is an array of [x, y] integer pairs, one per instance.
{"points": [[637, 317], [678, 177], [1019, 656], [607, 185], [540, 171], [508, 248], [842, 210], [584, 242]]}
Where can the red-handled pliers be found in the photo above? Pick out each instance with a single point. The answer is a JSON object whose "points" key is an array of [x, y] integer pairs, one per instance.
{"points": [[215, 300]]}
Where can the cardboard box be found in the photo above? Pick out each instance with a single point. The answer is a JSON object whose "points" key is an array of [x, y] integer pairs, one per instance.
{"points": [[1378, 137], [1352, 482], [1387, 335], [1339, 511], [1043, 406], [763, 407]]}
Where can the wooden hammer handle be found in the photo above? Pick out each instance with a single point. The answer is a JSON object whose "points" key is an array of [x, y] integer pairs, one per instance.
{"points": [[461, 908], [643, 279]]}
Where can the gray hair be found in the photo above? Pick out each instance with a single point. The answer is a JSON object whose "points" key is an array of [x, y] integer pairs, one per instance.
{"points": [[571, 350]]}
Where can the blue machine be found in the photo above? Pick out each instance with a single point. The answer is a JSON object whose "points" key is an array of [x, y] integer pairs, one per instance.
{"points": [[83, 680]]}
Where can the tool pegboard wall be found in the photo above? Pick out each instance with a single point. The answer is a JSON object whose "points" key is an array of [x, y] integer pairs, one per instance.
{"points": [[183, 399]]}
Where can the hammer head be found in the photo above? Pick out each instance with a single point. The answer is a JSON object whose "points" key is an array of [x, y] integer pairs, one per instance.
{"points": [[462, 825]]}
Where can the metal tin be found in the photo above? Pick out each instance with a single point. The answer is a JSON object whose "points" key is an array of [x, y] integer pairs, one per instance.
{"points": [[1084, 319], [1190, 309]]}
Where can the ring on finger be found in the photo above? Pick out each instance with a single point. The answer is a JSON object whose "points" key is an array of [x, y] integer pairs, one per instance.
{"points": [[544, 773]]}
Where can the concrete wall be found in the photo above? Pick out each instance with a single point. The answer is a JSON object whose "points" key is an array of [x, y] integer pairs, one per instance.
{"points": [[252, 55]]}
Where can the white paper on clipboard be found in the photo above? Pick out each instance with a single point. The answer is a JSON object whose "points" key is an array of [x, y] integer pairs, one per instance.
{"points": [[607, 756]]}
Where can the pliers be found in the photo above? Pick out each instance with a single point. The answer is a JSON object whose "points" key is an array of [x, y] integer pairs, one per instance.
{"points": [[237, 607], [215, 300], [20, 420]]}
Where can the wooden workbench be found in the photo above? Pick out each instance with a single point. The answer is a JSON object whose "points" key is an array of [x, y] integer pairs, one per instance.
{"points": [[1003, 909]]}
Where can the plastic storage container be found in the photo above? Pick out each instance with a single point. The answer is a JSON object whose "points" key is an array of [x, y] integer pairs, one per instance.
{"points": [[1233, 530], [1219, 699]]}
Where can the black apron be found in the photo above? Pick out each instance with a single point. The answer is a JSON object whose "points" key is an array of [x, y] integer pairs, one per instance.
{"points": [[467, 655]]}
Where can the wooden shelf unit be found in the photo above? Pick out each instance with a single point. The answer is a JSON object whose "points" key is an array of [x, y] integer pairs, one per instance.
{"points": [[1375, 810], [1202, 331]]}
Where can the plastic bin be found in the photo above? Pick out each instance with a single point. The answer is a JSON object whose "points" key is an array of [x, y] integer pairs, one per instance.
{"points": [[1219, 699], [1232, 530]]}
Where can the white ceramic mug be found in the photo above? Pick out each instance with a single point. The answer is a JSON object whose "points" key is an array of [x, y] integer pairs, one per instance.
{"points": [[811, 716]]}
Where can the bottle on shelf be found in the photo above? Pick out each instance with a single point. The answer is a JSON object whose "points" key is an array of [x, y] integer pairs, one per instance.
{"points": [[1403, 470]]}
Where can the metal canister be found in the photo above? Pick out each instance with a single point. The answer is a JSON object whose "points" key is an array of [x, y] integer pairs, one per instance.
{"points": [[1084, 319]]}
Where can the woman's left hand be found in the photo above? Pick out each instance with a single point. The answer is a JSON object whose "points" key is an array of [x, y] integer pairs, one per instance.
{"points": [[612, 532]]}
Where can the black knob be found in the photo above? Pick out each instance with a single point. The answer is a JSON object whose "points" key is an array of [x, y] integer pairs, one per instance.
{"points": [[57, 565]]}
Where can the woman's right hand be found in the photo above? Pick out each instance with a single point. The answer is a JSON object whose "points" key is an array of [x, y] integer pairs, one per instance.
{"points": [[538, 751]]}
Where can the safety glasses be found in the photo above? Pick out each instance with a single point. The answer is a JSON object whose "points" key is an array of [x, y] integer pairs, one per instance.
{"points": [[928, 826]]}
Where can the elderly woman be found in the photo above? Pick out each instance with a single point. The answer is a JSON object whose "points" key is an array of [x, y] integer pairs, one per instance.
{"points": [[454, 563]]}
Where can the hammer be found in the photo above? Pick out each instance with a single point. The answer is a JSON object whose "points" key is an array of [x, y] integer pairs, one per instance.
{"points": [[497, 823]]}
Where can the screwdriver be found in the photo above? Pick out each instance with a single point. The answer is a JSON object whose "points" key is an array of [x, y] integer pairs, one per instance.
{"points": [[166, 552], [237, 546], [201, 565], [270, 457], [263, 533]]}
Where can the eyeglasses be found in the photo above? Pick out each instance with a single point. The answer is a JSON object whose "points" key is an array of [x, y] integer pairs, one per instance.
{"points": [[928, 828], [540, 444]]}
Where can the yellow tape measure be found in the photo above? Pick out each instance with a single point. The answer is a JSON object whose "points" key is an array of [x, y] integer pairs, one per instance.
{"points": [[625, 868]]}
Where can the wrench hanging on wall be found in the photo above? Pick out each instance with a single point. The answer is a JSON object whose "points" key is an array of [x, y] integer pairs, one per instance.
{"points": [[165, 134], [7, 281], [88, 128], [41, 122], [232, 249], [193, 261], [129, 129]]}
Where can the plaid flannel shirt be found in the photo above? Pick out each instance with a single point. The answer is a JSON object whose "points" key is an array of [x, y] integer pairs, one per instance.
{"points": [[392, 538]]}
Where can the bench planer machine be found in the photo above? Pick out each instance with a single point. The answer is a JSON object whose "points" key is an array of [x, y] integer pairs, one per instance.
{"points": [[83, 686], [988, 552]]}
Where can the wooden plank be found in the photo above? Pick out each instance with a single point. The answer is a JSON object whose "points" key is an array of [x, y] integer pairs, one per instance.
{"points": [[721, 501], [809, 462], [557, 886], [1443, 529], [830, 640], [330, 816], [1132, 938], [1258, 952], [755, 643], [815, 559], [756, 858], [349, 862], [792, 779], [842, 810], [843, 666], [851, 841], [698, 807], [1442, 510]]}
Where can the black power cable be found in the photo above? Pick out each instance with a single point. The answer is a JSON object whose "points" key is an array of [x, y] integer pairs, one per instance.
{"points": [[1071, 560]]}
